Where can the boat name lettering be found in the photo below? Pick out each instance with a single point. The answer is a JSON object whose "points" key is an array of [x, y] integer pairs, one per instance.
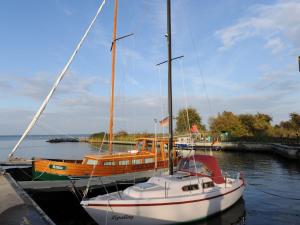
{"points": [[124, 217], [57, 167]]}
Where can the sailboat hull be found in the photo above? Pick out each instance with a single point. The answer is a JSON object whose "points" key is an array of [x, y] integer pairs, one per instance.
{"points": [[166, 210]]}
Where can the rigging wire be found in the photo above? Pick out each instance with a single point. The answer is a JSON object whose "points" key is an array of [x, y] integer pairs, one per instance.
{"points": [[47, 128], [199, 67], [187, 121], [161, 97], [187, 114], [57, 131], [92, 173]]}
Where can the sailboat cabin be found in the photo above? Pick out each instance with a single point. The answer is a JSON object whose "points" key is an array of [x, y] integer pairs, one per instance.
{"points": [[146, 150]]}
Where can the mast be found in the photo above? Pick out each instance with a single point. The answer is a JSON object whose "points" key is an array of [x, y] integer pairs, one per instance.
{"points": [[113, 57], [170, 109]]}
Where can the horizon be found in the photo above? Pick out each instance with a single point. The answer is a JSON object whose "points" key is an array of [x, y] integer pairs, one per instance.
{"points": [[243, 59]]}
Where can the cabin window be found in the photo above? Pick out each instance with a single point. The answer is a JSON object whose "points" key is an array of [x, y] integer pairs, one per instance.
{"points": [[149, 160], [166, 148], [149, 146], [158, 148], [208, 184], [123, 162], [91, 162], [145, 186], [108, 163], [136, 161], [194, 167], [140, 146], [191, 187], [199, 167]]}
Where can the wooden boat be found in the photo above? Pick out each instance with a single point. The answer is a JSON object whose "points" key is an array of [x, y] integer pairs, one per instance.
{"points": [[149, 153]]}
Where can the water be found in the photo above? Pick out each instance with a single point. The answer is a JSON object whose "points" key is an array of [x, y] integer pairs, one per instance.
{"points": [[36, 146], [263, 173]]}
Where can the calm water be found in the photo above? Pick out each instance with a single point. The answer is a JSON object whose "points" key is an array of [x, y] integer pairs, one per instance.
{"points": [[263, 172], [38, 147]]}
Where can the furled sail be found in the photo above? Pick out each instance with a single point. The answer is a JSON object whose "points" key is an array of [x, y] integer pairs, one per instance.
{"points": [[60, 77]]}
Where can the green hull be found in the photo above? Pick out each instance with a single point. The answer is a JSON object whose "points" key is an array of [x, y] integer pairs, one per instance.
{"points": [[48, 176]]}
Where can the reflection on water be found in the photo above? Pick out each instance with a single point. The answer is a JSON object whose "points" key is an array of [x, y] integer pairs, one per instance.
{"points": [[263, 172], [235, 215]]}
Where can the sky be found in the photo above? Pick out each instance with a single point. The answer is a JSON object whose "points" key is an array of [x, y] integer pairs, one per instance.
{"points": [[239, 56]]}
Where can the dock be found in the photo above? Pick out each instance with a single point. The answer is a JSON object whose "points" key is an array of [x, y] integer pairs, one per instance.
{"points": [[285, 151], [94, 182], [17, 207], [107, 142], [289, 152]]}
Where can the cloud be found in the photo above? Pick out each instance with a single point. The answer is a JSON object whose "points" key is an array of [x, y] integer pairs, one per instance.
{"points": [[283, 81], [67, 12], [87, 113], [271, 22], [276, 45], [37, 86]]}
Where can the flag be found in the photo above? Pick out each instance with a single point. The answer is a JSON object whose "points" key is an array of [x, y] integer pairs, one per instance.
{"points": [[194, 129], [164, 122]]}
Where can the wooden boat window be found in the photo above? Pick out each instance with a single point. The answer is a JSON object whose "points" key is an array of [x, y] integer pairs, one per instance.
{"points": [[123, 162], [158, 148], [208, 184], [149, 146], [91, 162], [108, 163], [140, 146], [191, 187], [136, 161], [149, 160]]}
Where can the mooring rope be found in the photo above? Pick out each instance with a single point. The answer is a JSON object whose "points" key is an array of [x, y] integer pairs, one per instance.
{"points": [[272, 194]]}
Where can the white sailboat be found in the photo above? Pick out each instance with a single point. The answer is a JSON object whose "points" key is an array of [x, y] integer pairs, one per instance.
{"points": [[196, 191]]}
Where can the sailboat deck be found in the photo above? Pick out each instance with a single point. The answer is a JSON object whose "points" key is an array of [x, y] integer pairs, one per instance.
{"points": [[148, 191], [161, 187]]}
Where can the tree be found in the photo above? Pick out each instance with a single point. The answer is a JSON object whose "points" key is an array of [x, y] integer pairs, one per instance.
{"points": [[295, 121], [186, 118], [262, 124], [290, 128], [256, 125], [248, 120], [228, 122], [121, 133]]}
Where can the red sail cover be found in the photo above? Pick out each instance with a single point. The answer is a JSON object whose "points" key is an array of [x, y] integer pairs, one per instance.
{"points": [[208, 162]]}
